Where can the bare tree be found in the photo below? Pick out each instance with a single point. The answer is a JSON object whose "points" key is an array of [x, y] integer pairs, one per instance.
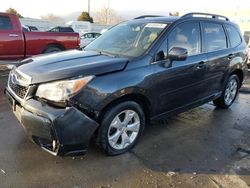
{"points": [[106, 15], [51, 17]]}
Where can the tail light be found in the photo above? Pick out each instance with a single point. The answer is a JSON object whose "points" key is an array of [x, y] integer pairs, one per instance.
{"points": [[78, 41]]}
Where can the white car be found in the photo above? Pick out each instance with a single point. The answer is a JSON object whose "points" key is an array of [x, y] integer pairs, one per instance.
{"points": [[88, 38]]}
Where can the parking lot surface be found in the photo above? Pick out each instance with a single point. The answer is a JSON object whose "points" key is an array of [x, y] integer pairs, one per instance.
{"points": [[204, 147]]}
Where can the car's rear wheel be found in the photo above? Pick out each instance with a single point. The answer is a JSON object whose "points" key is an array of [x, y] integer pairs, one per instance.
{"points": [[229, 94], [51, 49], [121, 127]]}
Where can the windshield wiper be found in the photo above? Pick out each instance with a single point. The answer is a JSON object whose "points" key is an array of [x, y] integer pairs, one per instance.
{"points": [[103, 53], [107, 53]]}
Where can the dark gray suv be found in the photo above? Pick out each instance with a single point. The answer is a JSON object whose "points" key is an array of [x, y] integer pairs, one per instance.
{"points": [[137, 71]]}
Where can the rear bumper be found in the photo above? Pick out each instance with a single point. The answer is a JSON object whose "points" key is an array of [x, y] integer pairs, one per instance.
{"points": [[56, 130]]}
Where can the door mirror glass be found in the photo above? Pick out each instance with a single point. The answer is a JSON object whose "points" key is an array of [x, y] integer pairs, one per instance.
{"points": [[177, 54]]}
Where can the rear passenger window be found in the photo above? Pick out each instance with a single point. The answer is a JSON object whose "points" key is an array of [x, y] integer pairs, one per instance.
{"points": [[215, 38], [234, 35], [5, 23], [186, 35]]}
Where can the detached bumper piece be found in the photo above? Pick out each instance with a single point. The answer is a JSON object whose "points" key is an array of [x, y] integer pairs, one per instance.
{"points": [[58, 131]]}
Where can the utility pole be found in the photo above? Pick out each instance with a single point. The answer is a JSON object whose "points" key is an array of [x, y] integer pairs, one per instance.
{"points": [[108, 14], [89, 7]]}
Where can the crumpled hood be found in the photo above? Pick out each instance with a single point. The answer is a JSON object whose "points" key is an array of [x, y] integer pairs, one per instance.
{"points": [[68, 64]]}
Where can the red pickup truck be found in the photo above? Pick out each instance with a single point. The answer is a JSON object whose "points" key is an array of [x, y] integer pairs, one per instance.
{"points": [[17, 44]]}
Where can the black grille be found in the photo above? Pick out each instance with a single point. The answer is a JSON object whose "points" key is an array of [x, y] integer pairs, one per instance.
{"points": [[19, 90]]}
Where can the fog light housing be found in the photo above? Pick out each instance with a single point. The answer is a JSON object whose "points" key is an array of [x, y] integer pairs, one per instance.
{"points": [[54, 145]]}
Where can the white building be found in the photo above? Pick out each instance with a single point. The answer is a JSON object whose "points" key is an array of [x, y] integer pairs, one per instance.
{"points": [[78, 26]]}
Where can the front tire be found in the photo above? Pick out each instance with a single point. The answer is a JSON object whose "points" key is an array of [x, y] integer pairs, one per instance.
{"points": [[121, 127], [229, 94]]}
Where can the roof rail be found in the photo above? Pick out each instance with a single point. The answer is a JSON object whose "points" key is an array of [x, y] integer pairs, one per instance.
{"points": [[197, 14], [147, 16]]}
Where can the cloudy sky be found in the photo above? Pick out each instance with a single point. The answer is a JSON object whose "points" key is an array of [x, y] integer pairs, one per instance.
{"points": [[35, 8]]}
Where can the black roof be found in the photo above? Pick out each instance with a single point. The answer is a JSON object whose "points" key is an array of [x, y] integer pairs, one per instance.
{"points": [[163, 19], [171, 19]]}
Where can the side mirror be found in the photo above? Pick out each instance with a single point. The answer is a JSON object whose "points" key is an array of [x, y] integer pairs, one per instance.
{"points": [[177, 54]]}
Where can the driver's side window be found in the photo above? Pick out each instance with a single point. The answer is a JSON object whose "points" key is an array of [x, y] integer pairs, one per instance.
{"points": [[186, 35]]}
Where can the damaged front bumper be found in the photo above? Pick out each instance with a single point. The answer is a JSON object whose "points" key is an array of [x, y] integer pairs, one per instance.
{"points": [[60, 131]]}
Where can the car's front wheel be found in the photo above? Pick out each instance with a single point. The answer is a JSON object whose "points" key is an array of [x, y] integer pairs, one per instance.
{"points": [[121, 127], [229, 94]]}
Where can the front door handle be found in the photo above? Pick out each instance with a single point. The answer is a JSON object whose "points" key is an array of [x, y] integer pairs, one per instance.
{"points": [[230, 56], [13, 35], [200, 65]]}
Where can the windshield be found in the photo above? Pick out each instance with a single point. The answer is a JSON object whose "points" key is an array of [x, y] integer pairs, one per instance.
{"points": [[127, 39]]}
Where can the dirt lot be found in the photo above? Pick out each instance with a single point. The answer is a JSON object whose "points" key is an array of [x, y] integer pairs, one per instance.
{"points": [[204, 147]]}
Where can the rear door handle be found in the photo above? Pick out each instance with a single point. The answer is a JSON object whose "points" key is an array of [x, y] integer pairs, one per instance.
{"points": [[13, 35], [200, 65]]}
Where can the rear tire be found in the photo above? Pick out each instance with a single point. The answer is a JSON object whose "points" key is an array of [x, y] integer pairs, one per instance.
{"points": [[121, 127], [52, 49], [229, 94]]}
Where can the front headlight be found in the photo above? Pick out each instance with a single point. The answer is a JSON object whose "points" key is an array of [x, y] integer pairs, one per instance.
{"points": [[60, 91]]}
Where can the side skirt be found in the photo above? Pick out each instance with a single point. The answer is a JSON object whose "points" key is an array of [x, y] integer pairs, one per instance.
{"points": [[187, 107]]}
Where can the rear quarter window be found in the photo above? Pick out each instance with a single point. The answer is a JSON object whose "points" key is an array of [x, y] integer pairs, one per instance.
{"points": [[234, 36], [215, 37], [5, 23]]}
